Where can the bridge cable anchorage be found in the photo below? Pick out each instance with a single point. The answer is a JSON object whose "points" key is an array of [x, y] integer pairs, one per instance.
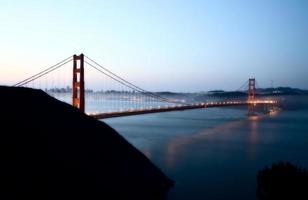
{"points": [[127, 83], [44, 72]]}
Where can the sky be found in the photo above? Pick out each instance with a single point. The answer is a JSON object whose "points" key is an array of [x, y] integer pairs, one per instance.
{"points": [[161, 45]]}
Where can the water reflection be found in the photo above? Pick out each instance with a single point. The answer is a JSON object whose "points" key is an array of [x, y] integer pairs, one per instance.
{"points": [[252, 136], [253, 117], [177, 145]]}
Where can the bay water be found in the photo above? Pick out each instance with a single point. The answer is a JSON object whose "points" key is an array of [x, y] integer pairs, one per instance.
{"points": [[216, 153]]}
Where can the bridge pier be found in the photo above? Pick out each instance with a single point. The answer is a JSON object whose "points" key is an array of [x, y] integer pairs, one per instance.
{"points": [[251, 110]]}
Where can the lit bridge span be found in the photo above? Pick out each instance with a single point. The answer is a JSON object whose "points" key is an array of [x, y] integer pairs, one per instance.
{"points": [[117, 97], [181, 108]]}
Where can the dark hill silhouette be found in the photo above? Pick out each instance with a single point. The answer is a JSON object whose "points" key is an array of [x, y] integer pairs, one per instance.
{"points": [[282, 180], [50, 150]]}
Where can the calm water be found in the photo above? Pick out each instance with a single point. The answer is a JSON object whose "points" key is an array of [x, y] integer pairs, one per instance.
{"points": [[216, 153]]}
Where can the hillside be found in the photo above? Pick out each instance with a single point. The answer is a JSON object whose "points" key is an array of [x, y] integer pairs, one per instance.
{"points": [[260, 91], [49, 150]]}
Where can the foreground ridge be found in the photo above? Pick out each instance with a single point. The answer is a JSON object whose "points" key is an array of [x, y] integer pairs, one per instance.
{"points": [[50, 149]]}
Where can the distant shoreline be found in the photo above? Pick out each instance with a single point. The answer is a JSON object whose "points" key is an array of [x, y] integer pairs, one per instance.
{"points": [[259, 91]]}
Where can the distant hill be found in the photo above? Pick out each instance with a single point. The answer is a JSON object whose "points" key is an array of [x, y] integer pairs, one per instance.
{"points": [[222, 93], [50, 150], [167, 93], [261, 91], [282, 91]]}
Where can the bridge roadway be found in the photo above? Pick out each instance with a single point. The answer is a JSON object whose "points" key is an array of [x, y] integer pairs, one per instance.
{"points": [[180, 108]]}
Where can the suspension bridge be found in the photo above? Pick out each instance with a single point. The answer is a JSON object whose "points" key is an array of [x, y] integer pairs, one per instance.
{"points": [[100, 93]]}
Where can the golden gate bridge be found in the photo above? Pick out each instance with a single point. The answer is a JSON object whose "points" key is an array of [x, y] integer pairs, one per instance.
{"points": [[119, 97]]}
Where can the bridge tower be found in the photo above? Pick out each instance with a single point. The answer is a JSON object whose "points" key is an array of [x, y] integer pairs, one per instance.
{"points": [[78, 99], [251, 95]]}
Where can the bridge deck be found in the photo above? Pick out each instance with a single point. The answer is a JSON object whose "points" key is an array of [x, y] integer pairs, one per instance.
{"points": [[180, 108]]}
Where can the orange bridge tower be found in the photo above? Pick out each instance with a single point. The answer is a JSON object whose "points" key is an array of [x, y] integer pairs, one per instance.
{"points": [[251, 95], [78, 99]]}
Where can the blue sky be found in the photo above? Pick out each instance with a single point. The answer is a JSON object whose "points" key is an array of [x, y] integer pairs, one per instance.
{"points": [[162, 45]]}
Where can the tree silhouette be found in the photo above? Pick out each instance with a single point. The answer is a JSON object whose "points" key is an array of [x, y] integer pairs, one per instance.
{"points": [[282, 181]]}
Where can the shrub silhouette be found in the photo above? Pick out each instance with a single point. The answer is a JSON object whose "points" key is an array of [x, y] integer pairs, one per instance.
{"points": [[282, 181]]}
